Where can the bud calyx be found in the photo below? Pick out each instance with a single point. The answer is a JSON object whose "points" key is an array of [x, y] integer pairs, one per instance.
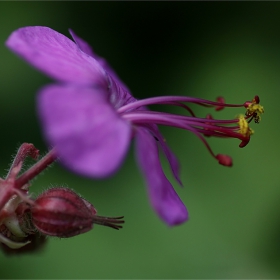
{"points": [[63, 213]]}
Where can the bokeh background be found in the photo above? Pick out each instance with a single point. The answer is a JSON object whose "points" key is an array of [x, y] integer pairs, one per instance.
{"points": [[202, 49]]}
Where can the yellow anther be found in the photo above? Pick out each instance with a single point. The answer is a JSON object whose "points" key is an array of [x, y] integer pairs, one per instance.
{"points": [[244, 128], [255, 110]]}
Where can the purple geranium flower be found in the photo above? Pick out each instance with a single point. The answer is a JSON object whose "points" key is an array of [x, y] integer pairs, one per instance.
{"points": [[90, 116]]}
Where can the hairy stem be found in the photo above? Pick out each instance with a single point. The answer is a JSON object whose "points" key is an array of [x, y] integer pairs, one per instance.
{"points": [[24, 150], [37, 168]]}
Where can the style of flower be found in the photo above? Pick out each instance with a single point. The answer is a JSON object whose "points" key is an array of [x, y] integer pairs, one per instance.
{"points": [[90, 116]]}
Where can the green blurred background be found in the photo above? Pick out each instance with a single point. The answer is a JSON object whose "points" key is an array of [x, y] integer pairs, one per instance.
{"points": [[202, 49]]}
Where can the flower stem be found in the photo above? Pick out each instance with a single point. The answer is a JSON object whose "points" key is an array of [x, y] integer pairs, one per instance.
{"points": [[24, 150], [37, 168]]}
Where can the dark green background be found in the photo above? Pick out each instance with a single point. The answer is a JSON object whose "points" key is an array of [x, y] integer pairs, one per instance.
{"points": [[202, 49]]}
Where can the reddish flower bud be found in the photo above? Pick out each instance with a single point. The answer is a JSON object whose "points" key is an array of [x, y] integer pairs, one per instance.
{"points": [[61, 212]]}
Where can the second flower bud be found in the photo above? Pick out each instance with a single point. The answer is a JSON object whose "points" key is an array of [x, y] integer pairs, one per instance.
{"points": [[63, 213]]}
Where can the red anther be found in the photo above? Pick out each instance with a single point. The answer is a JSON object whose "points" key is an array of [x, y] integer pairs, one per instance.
{"points": [[244, 142], [224, 160], [256, 99], [221, 100], [209, 117]]}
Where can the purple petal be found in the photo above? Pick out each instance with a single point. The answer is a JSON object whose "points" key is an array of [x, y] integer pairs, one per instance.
{"points": [[173, 161], [83, 45], [56, 55], [163, 197], [88, 134], [119, 96], [119, 92]]}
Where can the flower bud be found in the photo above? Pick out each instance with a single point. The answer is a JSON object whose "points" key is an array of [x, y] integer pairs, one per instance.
{"points": [[61, 212]]}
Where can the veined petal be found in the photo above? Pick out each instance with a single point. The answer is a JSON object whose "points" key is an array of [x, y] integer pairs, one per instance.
{"points": [[119, 95], [56, 55], [118, 88], [173, 161], [89, 136], [83, 45], [163, 197]]}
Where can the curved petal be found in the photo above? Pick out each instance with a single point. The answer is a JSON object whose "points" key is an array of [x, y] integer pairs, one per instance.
{"points": [[88, 134], [163, 197], [83, 45], [173, 161], [56, 55], [119, 92]]}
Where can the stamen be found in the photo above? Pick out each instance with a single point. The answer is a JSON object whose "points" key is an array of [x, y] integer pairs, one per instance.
{"points": [[224, 160], [202, 127], [244, 128], [175, 100], [209, 117], [254, 109], [221, 100]]}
